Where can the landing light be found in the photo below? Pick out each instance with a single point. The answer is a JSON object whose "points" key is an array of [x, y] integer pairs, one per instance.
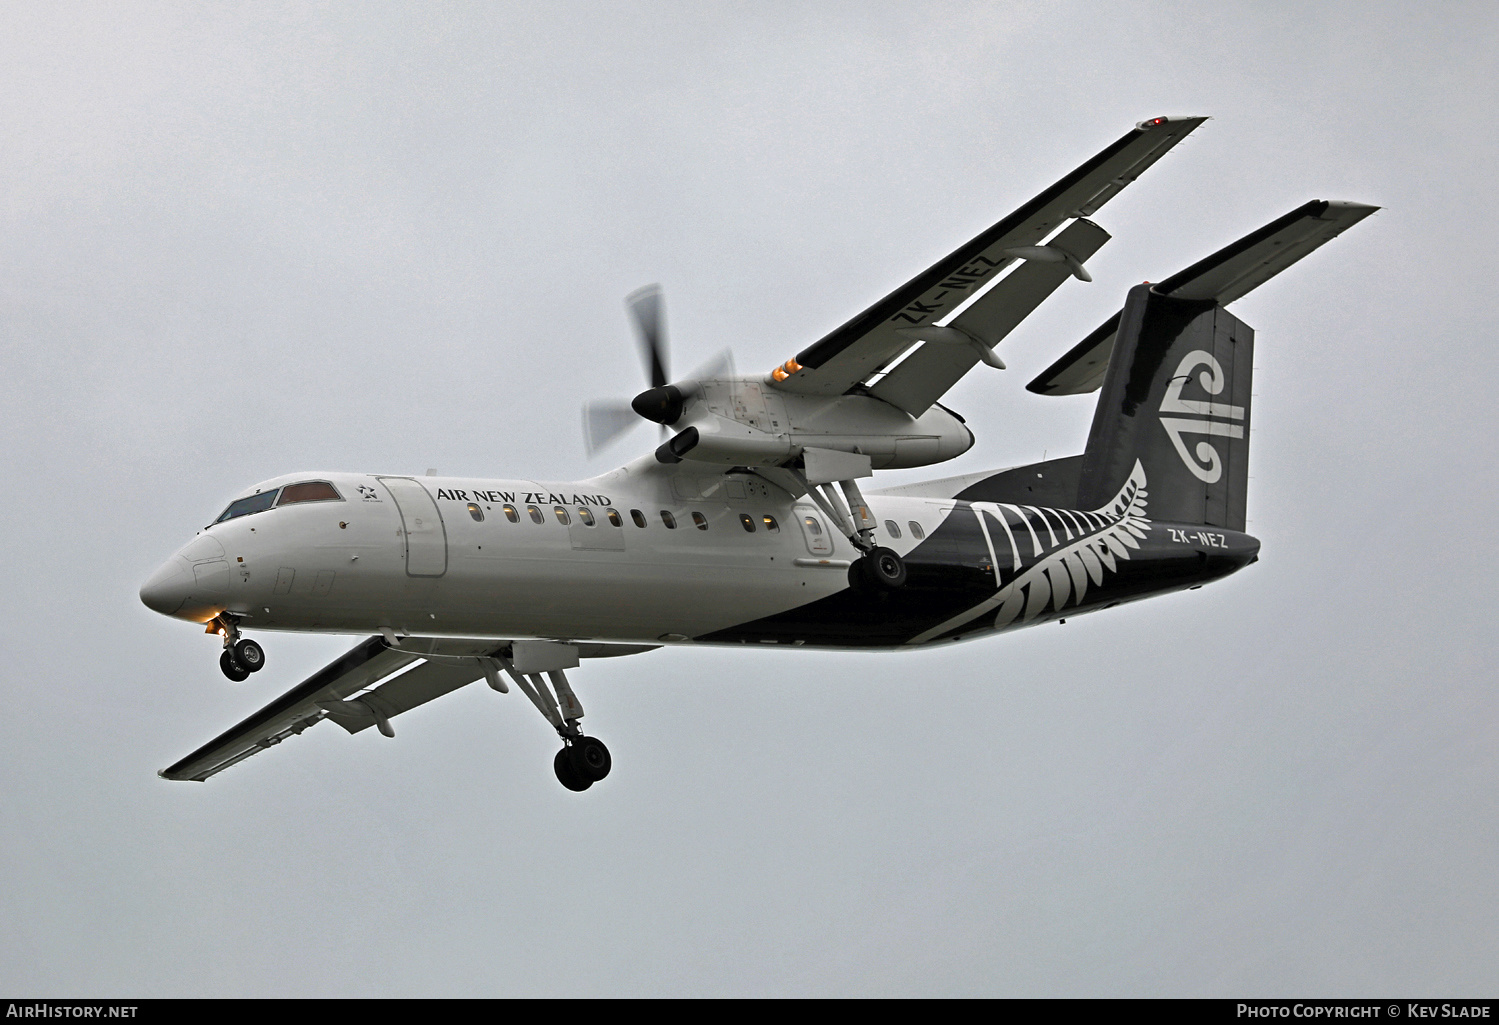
{"points": [[786, 369]]}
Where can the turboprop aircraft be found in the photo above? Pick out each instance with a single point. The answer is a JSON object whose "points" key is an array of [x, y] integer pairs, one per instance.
{"points": [[748, 524]]}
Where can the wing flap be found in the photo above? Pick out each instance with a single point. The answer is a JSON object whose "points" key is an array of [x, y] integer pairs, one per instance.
{"points": [[1230, 273], [925, 375], [412, 688], [872, 339]]}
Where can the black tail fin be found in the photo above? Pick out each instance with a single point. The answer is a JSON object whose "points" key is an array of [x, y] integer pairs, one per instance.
{"points": [[1175, 399]]}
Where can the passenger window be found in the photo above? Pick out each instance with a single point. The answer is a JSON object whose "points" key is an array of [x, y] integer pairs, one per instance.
{"points": [[613, 517], [916, 530], [668, 519], [312, 491], [771, 524], [246, 506], [638, 517], [814, 525], [476, 513], [700, 520], [562, 516], [511, 514], [748, 521], [536, 516], [892, 528], [586, 515]]}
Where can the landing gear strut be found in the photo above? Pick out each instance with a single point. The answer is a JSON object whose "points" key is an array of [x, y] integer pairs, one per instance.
{"points": [[583, 761], [880, 568], [241, 656]]}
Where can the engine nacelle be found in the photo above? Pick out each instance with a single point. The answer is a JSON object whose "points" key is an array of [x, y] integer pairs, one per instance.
{"points": [[740, 422]]}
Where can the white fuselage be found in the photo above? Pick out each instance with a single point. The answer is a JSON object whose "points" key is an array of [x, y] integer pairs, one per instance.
{"points": [[377, 559]]}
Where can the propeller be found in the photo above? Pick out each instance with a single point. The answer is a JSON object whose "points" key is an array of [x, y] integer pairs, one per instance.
{"points": [[649, 308], [605, 420]]}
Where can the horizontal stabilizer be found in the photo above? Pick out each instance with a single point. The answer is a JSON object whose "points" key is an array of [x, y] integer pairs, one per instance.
{"points": [[1228, 274]]}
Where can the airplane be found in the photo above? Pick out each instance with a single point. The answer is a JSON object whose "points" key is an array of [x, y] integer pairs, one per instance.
{"points": [[748, 525]]}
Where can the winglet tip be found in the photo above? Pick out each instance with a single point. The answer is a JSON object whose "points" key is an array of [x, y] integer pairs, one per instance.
{"points": [[1170, 119]]}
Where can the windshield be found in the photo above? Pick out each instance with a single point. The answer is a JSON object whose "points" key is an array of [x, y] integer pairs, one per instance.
{"points": [[246, 506], [312, 491]]}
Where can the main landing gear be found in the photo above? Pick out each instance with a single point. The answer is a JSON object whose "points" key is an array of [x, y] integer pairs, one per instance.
{"points": [[583, 761], [241, 656], [879, 568]]}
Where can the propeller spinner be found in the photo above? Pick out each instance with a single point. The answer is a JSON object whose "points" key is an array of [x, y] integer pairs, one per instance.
{"points": [[605, 420]]}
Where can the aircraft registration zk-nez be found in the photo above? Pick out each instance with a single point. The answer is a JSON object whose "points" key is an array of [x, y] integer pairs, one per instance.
{"points": [[749, 524]]}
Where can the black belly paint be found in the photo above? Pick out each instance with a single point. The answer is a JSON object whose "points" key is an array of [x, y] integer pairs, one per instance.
{"points": [[950, 573]]}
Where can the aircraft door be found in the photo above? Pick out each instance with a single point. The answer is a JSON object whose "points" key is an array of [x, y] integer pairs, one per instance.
{"points": [[815, 532], [426, 537]]}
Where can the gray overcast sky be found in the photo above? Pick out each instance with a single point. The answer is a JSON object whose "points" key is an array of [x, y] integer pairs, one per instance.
{"points": [[241, 240]]}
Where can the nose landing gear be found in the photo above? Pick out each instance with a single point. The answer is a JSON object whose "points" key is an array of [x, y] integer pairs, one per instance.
{"points": [[231, 668], [241, 656]]}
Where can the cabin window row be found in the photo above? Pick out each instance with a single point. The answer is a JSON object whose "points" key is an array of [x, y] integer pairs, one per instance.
{"points": [[586, 516], [893, 529]]}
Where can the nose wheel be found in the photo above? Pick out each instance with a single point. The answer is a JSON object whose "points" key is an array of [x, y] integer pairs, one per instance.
{"points": [[249, 655], [241, 656], [231, 668]]}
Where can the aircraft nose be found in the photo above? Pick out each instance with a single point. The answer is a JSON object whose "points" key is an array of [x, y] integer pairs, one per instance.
{"points": [[169, 587]]}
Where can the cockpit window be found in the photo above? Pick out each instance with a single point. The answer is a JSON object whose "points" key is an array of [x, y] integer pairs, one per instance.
{"points": [[311, 491], [246, 506]]}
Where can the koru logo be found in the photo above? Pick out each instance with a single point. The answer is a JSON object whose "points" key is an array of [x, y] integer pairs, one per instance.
{"points": [[1208, 464]]}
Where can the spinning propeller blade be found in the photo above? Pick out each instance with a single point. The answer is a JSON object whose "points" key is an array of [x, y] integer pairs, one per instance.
{"points": [[650, 321], [716, 368], [605, 420]]}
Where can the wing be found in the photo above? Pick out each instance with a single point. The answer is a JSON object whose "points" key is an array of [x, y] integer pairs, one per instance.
{"points": [[445, 665], [926, 374], [368, 686], [872, 339], [1228, 274]]}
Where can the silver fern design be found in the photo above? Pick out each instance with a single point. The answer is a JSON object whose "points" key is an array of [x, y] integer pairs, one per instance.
{"points": [[1067, 565]]}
